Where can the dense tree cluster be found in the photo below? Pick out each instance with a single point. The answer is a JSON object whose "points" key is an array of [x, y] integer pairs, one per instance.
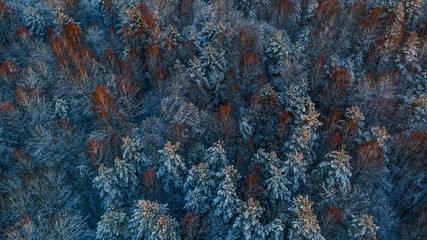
{"points": [[213, 119]]}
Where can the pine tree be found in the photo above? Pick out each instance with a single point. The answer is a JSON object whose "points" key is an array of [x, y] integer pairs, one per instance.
{"points": [[247, 222], [413, 9], [132, 154], [393, 32], [336, 169], [408, 55], [196, 72], [380, 135], [209, 32], [305, 224], [226, 202], [216, 156], [150, 222], [125, 172], [171, 167], [363, 227], [296, 167], [199, 188], [106, 181], [276, 53], [113, 224], [35, 23], [278, 184], [61, 19], [246, 129], [213, 65], [275, 230]]}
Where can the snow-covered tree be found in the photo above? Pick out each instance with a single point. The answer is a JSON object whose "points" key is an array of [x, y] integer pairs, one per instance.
{"points": [[363, 227], [35, 23], [278, 185], [199, 188], [172, 169], [125, 172], [132, 153], [276, 53], [226, 202], [106, 182], [113, 224], [213, 65], [62, 19], [304, 225], [408, 54], [216, 156], [296, 167], [247, 224], [275, 230], [245, 128], [336, 169], [149, 221]]}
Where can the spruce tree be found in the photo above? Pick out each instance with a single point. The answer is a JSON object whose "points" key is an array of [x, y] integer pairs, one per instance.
{"points": [[304, 225], [276, 53], [172, 169], [226, 202]]}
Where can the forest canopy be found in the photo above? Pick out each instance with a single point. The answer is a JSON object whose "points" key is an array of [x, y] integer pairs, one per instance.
{"points": [[213, 119]]}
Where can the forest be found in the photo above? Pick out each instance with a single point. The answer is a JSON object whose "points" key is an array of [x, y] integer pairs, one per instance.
{"points": [[213, 119]]}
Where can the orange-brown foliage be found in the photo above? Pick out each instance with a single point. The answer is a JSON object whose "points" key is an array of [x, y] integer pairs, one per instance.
{"points": [[328, 10], [370, 155], [8, 69], [335, 139], [252, 188], [7, 107], [149, 179], [192, 227], [333, 216], [26, 96], [102, 103], [284, 123], [226, 120], [95, 149], [333, 119], [338, 81]]}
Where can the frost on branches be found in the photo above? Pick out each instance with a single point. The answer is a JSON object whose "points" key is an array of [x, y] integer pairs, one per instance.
{"points": [[226, 202], [363, 227], [199, 188], [336, 169], [172, 169], [304, 226], [296, 167], [149, 221], [113, 224], [216, 156]]}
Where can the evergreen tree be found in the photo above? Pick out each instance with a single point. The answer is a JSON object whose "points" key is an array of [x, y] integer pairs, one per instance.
{"points": [[277, 185], [126, 178], [363, 227], [275, 230], [336, 169], [35, 23], [199, 188], [113, 224], [213, 65], [216, 156], [132, 154], [226, 202], [408, 55], [106, 181], [150, 222], [276, 53], [296, 167], [172, 169], [304, 225], [247, 224]]}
